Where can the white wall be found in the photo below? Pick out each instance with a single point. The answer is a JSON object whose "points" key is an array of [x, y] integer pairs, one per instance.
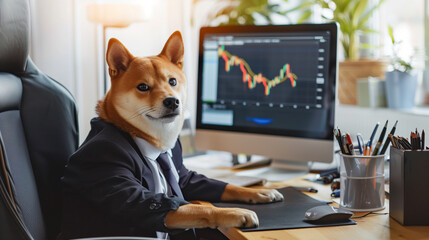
{"points": [[52, 37], [63, 45], [354, 119], [67, 47]]}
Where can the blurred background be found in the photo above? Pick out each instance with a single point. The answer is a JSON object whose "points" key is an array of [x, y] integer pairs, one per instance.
{"points": [[69, 39]]}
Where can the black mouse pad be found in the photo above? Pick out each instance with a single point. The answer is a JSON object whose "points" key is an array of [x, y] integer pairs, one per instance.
{"points": [[286, 214]]}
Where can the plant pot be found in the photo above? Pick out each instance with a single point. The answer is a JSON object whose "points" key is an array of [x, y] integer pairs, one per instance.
{"points": [[352, 70], [426, 84], [400, 89], [371, 92]]}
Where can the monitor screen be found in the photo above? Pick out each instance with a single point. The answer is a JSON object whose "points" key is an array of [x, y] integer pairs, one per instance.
{"points": [[268, 80]]}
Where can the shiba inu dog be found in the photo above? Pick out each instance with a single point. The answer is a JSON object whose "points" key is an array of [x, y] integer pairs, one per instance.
{"points": [[147, 100]]}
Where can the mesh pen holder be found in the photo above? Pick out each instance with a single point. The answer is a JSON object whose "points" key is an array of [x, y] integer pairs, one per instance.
{"points": [[362, 182]]}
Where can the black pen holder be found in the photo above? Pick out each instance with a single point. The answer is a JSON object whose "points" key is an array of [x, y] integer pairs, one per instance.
{"points": [[409, 184]]}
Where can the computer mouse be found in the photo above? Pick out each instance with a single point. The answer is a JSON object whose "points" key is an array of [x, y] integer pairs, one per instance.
{"points": [[326, 214]]}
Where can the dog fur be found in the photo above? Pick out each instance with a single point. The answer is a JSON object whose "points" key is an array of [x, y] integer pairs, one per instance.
{"points": [[135, 104]]}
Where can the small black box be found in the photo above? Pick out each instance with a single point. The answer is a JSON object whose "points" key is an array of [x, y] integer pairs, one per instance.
{"points": [[409, 186]]}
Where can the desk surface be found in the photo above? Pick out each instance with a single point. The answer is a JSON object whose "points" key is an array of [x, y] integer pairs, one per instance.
{"points": [[370, 227]]}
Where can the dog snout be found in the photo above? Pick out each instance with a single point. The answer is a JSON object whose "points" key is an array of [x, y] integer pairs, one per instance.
{"points": [[171, 103]]}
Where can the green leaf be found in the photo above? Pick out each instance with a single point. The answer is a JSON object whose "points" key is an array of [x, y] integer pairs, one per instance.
{"points": [[304, 16], [368, 31], [390, 30], [368, 46], [368, 14], [358, 10]]}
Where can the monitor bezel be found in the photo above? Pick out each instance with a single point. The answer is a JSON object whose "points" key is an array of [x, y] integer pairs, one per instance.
{"points": [[332, 74]]}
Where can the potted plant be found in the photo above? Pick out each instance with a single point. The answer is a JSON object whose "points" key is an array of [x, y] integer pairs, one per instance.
{"points": [[242, 12], [352, 16], [401, 82]]}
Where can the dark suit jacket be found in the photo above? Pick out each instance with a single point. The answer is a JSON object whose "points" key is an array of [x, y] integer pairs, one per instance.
{"points": [[107, 188]]}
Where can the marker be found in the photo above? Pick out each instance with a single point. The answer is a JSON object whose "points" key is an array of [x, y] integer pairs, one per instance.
{"points": [[350, 144], [388, 140], [423, 140], [345, 146], [306, 189], [380, 140]]}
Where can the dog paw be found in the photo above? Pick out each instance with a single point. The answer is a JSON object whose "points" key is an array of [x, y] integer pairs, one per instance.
{"points": [[263, 196], [235, 217], [250, 195]]}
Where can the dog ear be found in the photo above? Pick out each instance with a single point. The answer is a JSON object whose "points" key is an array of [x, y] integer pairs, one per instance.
{"points": [[174, 49], [118, 57]]}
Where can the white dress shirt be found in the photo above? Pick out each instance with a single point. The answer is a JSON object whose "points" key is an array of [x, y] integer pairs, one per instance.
{"points": [[150, 154]]}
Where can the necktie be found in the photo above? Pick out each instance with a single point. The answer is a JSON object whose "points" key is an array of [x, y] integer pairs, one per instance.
{"points": [[164, 163]]}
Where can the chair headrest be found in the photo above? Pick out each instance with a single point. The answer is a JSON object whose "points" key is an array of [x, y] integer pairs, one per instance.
{"points": [[14, 35], [10, 92]]}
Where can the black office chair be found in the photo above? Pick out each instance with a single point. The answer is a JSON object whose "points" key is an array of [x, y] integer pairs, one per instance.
{"points": [[38, 132]]}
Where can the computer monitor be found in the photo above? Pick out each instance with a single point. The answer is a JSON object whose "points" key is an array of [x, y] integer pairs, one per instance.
{"points": [[268, 90]]}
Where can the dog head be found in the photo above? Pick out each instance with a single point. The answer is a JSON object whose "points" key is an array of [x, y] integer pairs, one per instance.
{"points": [[148, 94]]}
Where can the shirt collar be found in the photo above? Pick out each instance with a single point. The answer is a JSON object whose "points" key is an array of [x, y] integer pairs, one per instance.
{"points": [[148, 150]]}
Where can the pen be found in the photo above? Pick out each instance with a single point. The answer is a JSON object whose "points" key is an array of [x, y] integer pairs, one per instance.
{"points": [[388, 140], [373, 133], [369, 144], [365, 150], [306, 189], [380, 139], [423, 140], [360, 142]]}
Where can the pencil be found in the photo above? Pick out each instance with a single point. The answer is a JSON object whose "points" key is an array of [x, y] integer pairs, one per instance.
{"points": [[380, 139], [388, 139], [418, 141], [392, 141], [406, 144]]}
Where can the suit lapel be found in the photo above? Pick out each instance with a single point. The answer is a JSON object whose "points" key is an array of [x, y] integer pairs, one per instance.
{"points": [[147, 174]]}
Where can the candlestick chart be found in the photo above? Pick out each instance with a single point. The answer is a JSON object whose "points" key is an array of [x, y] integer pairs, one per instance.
{"points": [[252, 79]]}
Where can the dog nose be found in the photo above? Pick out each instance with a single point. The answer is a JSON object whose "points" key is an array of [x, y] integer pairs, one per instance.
{"points": [[171, 103]]}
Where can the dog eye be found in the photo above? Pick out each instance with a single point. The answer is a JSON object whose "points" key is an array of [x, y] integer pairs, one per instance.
{"points": [[172, 81], [143, 87]]}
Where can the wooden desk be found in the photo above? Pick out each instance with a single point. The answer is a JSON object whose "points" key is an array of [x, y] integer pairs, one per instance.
{"points": [[376, 227]]}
